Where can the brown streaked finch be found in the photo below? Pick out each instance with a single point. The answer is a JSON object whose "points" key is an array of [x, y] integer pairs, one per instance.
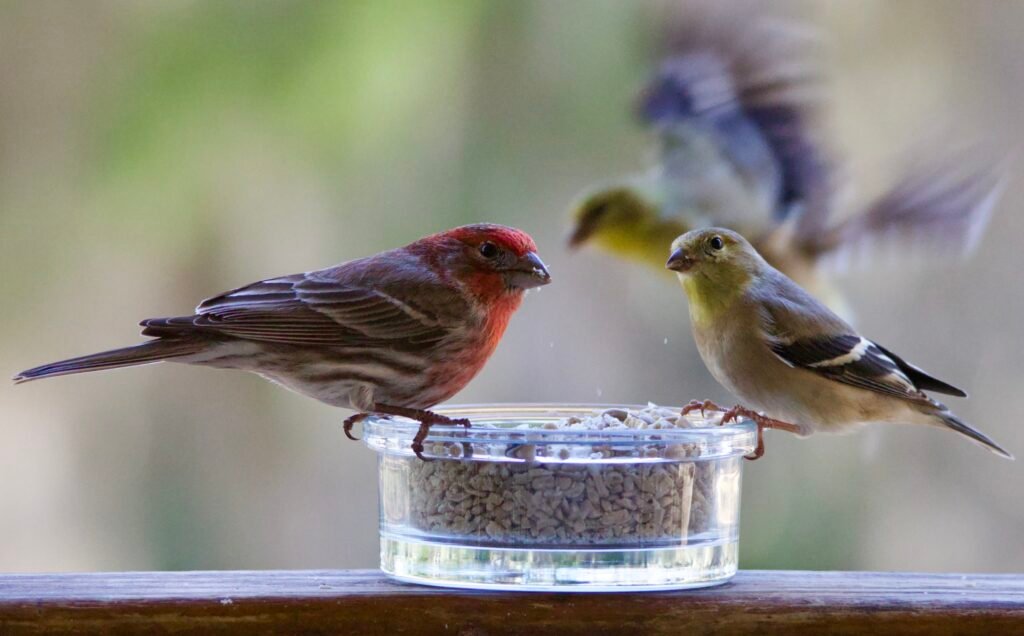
{"points": [[779, 350], [391, 334]]}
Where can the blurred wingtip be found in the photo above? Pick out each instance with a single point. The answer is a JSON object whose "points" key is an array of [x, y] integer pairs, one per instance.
{"points": [[940, 208]]}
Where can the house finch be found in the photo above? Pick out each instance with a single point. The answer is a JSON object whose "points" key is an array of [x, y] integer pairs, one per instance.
{"points": [[393, 334], [737, 106], [781, 351]]}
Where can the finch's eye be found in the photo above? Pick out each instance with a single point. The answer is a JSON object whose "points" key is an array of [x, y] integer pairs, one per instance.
{"points": [[717, 243], [488, 250]]}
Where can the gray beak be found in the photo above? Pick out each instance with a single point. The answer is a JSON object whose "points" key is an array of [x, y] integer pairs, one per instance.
{"points": [[679, 261], [580, 234], [529, 272]]}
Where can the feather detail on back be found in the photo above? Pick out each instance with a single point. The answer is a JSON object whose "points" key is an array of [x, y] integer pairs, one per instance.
{"points": [[300, 315]]}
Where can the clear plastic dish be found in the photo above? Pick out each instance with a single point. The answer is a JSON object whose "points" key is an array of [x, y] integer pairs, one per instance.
{"points": [[514, 503]]}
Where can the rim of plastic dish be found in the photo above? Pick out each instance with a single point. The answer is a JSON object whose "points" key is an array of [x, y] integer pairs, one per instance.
{"points": [[497, 424]]}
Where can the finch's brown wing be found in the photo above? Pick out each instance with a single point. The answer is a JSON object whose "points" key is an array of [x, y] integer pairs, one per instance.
{"points": [[306, 309]]}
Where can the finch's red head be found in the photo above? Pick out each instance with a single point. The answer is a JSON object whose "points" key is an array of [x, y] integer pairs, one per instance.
{"points": [[509, 239], [491, 260]]}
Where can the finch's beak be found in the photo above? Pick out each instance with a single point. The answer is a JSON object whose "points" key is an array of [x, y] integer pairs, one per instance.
{"points": [[529, 272], [679, 261]]}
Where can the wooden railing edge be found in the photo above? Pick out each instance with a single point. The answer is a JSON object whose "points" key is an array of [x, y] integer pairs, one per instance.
{"points": [[364, 601]]}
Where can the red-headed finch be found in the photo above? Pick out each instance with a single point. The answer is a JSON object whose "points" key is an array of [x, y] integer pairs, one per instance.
{"points": [[394, 333]]}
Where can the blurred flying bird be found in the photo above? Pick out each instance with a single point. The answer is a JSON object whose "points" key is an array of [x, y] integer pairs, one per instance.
{"points": [[736, 105], [394, 333], [782, 352]]}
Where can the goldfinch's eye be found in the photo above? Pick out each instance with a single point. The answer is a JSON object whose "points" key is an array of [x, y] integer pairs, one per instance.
{"points": [[717, 243], [488, 250]]}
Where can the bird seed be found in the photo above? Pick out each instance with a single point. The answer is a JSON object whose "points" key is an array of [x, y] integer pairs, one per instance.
{"points": [[606, 500]]}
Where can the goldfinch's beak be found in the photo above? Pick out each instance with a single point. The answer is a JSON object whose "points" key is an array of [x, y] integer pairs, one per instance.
{"points": [[679, 261], [529, 272], [581, 233]]}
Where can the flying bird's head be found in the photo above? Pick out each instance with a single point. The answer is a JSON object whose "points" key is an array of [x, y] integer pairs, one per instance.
{"points": [[714, 264], [489, 260], [611, 217]]}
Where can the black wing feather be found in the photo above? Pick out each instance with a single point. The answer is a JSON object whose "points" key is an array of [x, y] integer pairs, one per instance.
{"points": [[858, 362], [922, 380]]}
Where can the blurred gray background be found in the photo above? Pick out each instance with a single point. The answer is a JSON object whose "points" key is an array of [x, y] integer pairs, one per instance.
{"points": [[153, 154]]}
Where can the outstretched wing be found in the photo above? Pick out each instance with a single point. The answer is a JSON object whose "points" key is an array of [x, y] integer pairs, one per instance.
{"points": [[938, 209], [315, 310], [756, 80]]}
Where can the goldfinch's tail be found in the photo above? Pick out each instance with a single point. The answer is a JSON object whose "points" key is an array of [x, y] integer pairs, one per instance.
{"points": [[962, 427]]}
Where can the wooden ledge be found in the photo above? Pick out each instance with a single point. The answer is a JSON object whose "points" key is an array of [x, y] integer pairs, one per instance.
{"points": [[365, 602]]}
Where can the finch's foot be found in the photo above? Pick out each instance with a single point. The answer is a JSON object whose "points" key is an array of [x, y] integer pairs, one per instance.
{"points": [[426, 420], [703, 406], [762, 422], [352, 421]]}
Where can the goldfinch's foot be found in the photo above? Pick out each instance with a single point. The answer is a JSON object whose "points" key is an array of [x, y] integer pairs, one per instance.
{"points": [[762, 422], [352, 421], [703, 406]]}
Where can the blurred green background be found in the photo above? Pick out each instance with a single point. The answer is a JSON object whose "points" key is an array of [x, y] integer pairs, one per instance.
{"points": [[156, 153]]}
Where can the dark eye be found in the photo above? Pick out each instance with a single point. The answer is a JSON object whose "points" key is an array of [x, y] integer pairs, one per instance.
{"points": [[717, 243], [488, 250]]}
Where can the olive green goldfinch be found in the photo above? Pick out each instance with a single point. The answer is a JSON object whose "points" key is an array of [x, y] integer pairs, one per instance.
{"points": [[783, 353]]}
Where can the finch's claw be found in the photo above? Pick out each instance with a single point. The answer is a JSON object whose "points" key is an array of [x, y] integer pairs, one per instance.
{"points": [[352, 421], [417, 441], [700, 405], [426, 420], [762, 422]]}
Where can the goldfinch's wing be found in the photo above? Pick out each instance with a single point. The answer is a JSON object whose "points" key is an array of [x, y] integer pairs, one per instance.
{"points": [[857, 361], [804, 334], [939, 210], [756, 82]]}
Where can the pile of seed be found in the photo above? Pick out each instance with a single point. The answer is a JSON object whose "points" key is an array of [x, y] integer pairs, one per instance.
{"points": [[531, 502]]}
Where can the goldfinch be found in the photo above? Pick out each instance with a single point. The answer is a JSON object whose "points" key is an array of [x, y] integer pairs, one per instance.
{"points": [[785, 354], [736, 105]]}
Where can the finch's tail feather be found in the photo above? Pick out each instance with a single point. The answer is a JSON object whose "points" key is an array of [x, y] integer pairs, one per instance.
{"points": [[145, 353], [962, 427]]}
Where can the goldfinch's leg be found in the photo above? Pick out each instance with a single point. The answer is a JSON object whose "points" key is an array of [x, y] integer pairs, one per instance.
{"points": [[703, 406], [424, 417], [762, 422], [352, 421]]}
